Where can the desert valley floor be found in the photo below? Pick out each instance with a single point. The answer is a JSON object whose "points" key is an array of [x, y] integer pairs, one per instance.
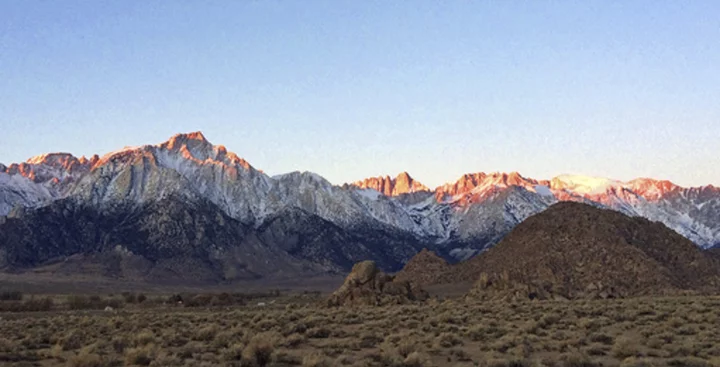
{"points": [[298, 329]]}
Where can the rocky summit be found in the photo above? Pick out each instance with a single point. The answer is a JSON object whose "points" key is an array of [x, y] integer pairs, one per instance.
{"points": [[366, 285]]}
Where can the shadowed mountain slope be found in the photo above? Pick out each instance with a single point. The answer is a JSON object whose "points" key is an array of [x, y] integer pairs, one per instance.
{"points": [[177, 239]]}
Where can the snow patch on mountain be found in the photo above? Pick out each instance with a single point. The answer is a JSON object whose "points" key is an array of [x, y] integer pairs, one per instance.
{"points": [[17, 190], [543, 190], [585, 184], [370, 194]]}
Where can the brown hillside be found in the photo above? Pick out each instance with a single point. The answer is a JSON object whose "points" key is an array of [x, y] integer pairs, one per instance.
{"points": [[423, 268], [575, 250]]}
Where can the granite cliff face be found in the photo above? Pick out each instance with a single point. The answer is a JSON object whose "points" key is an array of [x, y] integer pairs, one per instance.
{"points": [[400, 185]]}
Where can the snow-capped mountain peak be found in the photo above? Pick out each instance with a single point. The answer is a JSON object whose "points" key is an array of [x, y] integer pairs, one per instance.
{"points": [[584, 185]]}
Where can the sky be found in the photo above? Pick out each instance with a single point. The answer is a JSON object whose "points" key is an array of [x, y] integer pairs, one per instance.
{"points": [[352, 89]]}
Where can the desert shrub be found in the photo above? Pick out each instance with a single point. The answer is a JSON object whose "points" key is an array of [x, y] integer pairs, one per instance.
{"points": [[316, 359], [6, 345], [132, 298], [625, 347], [686, 330], [602, 338], [86, 359], [11, 296], [343, 360], [207, 299], [597, 349], [294, 340], [689, 362], [200, 300], [29, 305], [577, 360], [223, 339], [233, 352], [129, 297], [80, 302], [460, 354], [407, 347], [38, 304], [174, 299], [72, 340], [140, 356], [144, 337], [484, 333], [206, 333], [637, 362], [112, 302], [417, 359], [258, 352], [222, 299], [514, 362], [118, 343], [318, 332], [447, 340], [164, 359], [548, 320], [370, 340]]}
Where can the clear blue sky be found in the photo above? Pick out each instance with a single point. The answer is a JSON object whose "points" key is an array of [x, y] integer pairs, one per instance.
{"points": [[350, 89]]}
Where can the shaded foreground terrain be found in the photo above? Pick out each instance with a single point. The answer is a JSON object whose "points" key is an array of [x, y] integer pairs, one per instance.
{"points": [[299, 331]]}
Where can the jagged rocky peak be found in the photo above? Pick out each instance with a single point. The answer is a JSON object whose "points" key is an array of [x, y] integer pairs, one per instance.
{"points": [[402, 184], [50, 167], [194, 146], [650, 188], [194, 143], [479, 185], [91, 162], [179, 150]]}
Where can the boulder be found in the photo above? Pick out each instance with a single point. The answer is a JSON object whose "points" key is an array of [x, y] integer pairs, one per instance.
{"points": [[366, 285]]}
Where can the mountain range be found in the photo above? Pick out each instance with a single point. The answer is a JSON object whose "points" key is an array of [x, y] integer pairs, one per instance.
{"points": [[186, 207]]}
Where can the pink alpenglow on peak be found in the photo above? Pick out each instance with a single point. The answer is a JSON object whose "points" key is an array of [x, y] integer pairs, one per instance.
{"points": [[402, 184], [52, 167]]}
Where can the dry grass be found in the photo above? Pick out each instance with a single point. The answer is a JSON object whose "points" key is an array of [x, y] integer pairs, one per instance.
{"points": [[681, 331]]}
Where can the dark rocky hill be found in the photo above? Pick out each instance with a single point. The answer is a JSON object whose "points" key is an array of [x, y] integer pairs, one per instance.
{"points": [[423, 268], [575, 250]]}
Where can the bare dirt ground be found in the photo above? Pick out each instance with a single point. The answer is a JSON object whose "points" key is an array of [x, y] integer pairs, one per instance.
{"points": [[265, 329]]}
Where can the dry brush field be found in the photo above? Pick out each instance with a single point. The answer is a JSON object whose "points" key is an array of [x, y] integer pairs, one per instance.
{"points": [[298, 331]]}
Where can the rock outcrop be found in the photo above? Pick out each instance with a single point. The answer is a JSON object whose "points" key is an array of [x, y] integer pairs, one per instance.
{"points": [[400, 185], [366, 285]]}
